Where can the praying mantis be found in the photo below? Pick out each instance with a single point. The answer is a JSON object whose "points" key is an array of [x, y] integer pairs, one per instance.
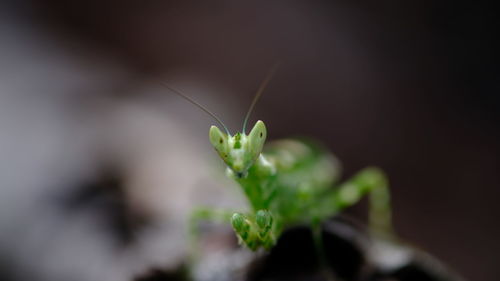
{"points": [[287, 182]]}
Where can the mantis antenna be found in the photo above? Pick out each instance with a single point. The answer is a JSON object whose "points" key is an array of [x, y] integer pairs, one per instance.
{"points": [[182, 95], [259, 93]]}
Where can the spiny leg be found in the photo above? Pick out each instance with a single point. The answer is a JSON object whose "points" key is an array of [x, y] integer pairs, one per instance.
{"points": [[370, 180], [255, 231], [265, 223]]}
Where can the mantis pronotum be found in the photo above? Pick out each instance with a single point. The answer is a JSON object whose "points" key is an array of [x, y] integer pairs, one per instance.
{"points": [[288, 182]]}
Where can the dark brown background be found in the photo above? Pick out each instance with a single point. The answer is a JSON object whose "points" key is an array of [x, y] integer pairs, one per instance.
{"points": [[411, 86]]}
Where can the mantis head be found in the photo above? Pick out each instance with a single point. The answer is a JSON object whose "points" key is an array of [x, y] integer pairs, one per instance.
{"points": [[240, 151]]}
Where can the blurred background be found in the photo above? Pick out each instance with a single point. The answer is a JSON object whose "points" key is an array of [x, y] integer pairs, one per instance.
{"points": [[100, 166]]}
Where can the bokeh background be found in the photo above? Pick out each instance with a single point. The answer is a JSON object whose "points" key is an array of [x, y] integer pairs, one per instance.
{"points": [[100, 165]]}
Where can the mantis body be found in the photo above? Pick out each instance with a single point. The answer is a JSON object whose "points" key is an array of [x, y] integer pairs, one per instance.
{"points": [[291, 182], [288, 182]]}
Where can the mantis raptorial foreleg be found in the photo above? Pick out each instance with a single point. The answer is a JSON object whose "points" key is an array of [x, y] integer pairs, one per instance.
{"points": [[255, 231]]}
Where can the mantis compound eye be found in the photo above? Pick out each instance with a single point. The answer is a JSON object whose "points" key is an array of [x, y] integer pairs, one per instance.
{"points": [[256, 138], [219, 141]]}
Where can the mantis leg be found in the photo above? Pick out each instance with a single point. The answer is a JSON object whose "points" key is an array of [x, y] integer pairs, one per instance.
{"points": [[255, 231], [316, 228], [199, 215], [373, 181]]}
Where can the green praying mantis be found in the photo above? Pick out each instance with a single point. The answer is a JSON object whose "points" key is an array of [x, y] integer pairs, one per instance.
{"points": [[287, 182]]}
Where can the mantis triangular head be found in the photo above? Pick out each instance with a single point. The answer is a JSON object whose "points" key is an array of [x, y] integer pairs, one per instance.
{"points": [[240, 151]]}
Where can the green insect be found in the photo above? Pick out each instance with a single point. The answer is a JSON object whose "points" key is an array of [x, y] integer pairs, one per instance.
{"points": [[288, 182]]}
